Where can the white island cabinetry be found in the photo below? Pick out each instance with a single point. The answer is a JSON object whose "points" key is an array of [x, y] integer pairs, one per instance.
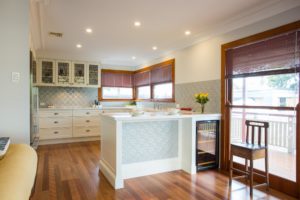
{"points": [[148, 144]]}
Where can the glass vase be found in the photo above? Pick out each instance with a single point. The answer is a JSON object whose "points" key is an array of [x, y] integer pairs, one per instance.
{"points": [[202, 108]]}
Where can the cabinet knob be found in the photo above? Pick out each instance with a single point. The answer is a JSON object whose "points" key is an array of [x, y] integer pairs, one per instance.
{"points": [[55, 132], [55, 113], [88, 121], [87, 113], [56, 122], [87, 131]]}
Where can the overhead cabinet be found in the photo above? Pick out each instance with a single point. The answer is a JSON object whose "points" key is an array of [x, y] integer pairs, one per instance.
{"points": [[67, 74], [79, 74], [93, 75], [63, 73], [46, 75]]}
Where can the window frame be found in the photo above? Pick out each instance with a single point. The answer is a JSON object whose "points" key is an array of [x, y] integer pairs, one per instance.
{"points": [[278, 183], [100, 90], [151, 99], [117, 98], [136, 93], [159, 65]]}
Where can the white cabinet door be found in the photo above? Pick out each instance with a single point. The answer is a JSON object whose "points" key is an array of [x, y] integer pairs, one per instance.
{"points": [[79, 77], [93, 75], [63, 73], [46, 75]]}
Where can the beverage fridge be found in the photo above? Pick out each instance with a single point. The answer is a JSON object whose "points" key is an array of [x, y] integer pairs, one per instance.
{"points": [[207, 144]]}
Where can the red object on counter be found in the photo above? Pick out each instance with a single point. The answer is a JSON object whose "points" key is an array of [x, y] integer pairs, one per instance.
{"points": [[186, 109]]}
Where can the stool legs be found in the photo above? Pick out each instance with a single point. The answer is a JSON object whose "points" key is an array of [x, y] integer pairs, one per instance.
{"points": [[246, 170], [230, 168], [267, 169], [251, 177]]}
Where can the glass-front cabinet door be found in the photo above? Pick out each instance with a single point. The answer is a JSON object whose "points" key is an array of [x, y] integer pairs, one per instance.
{"points": [[79, 74], [47, 72], [63, 73], [34, 72], [93, 75]]}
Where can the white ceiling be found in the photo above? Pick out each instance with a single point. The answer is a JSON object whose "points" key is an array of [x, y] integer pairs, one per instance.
{"points": [[115, 39]]}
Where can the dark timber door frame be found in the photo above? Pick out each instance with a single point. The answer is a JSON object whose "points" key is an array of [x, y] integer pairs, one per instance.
{"points": [[276, 182]]}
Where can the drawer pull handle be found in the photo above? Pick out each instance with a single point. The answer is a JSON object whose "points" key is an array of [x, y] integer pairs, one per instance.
{"points": [[87, 121], [55, 113], [56, 122], [87, 131], [87, 113], [56, 132]]}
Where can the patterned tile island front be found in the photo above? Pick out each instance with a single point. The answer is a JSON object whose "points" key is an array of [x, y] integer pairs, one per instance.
{"points": [[148, 144]]}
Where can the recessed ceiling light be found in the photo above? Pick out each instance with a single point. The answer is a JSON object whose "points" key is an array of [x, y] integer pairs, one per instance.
{"points": [[88, 30], [187, 32], [78, 46], [154, 48], [137, 23], [133, 57]]}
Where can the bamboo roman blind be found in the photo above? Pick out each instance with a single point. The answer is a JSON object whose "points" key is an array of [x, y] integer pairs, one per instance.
{"points": [[156, 75], [281, 52], [116, 79], [142, 78]]}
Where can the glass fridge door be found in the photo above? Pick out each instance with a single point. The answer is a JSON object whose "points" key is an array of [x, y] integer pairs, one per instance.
{"points": [[207, 144]]}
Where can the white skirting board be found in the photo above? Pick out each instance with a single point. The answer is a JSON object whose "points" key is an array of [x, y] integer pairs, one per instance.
{"points": [[138, 169], [110, 175], [150, 167]]}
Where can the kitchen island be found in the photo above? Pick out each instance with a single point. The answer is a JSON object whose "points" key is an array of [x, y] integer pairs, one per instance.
{"points": [[148, 144]]}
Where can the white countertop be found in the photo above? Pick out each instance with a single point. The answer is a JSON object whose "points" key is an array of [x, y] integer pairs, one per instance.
{"points": [[86, 108], [157, 116]]}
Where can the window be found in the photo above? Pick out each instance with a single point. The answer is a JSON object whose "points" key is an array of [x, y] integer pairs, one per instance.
{"points": [[116, 84], [155, 82], [163, 91], [117, 93], [152, 83], [271, 90], [143, 92], [263, 79]]}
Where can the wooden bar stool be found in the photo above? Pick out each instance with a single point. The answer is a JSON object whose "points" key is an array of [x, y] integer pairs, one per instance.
{"points": [[252, 151]]}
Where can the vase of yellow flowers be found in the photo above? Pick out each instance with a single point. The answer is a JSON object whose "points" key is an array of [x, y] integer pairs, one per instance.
{"points": [[202, 98]]}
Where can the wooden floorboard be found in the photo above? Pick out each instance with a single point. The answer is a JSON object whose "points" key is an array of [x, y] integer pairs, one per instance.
{"points": [[71, 172]]}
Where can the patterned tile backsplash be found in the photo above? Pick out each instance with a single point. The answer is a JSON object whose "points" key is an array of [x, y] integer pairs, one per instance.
{"points": [[184, 94], [64, 96], [147, 141]]}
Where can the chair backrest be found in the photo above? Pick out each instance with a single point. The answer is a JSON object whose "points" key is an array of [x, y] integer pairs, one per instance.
{"points": [[257, 125]]}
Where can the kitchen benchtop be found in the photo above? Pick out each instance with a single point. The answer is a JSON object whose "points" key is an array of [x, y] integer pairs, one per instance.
{"points": [[85, 108], [158, 116]]}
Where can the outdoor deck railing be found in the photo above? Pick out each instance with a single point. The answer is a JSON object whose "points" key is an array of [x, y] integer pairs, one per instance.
{"points": [[282, 130]]}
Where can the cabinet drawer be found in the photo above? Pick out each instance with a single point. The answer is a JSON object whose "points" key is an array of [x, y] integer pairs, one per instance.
{"points": [[86, 121], [55, 133], [56, 113], [58, 122], [85, 113], [86, 131]]}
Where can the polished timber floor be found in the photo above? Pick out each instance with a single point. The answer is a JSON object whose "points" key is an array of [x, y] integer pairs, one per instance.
{"points": [[71, 171]]}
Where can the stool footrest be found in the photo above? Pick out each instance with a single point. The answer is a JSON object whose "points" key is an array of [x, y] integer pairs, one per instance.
{"points": [[262, 175], [241, 171], [259, 185], [239, 177]]}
